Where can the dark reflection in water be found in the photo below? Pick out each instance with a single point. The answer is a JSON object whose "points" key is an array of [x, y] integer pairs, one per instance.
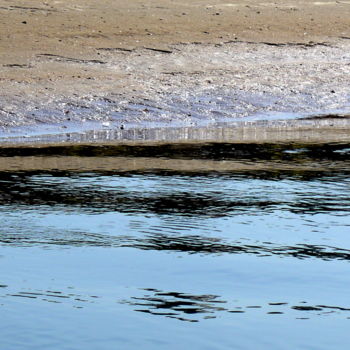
{"points": [[193, 308], [196, 244], [192, 244], [22, 190], [92, 193], [50, 296], [210, 150], [176, 305]]}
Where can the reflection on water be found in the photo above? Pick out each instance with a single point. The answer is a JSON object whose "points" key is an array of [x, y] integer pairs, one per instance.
{"points": [[178, 305], [259, 234], [50, 296], [193, 308], [189, 244], [210, 150]]}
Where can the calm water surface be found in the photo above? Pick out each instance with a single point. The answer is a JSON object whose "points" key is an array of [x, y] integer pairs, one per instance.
{"points": [[177, 259]]}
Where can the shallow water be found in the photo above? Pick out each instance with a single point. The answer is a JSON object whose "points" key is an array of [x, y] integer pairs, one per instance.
{"points": [[248, 249]]}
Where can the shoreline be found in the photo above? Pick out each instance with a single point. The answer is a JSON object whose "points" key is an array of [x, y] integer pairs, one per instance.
{"points": [[317, 130]]}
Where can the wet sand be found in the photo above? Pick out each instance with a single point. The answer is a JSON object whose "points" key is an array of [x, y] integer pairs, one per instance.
{"points": [[126, 65], [125, 164], [308, 156]]}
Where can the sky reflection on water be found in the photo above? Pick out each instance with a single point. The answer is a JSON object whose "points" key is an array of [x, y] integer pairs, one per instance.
{"points": [[158, 259]]}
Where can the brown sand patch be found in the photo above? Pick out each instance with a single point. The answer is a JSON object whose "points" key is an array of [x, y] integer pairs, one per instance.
{"points": [[56, 53]]}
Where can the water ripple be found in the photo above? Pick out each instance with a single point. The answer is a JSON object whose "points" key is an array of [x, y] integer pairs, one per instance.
{"points": [[177, 305]]}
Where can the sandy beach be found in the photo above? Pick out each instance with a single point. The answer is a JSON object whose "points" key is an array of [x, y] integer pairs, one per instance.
{"points": [[174, 174], [119, 64]]}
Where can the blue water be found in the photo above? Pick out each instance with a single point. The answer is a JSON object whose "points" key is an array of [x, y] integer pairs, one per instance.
{"points": [[175, 260]]}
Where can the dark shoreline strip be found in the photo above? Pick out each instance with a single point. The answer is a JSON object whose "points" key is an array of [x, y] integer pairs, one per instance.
{"points": [[201, 151]]}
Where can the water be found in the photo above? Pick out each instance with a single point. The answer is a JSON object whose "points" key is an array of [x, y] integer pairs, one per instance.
{"points": [[202, 246]]}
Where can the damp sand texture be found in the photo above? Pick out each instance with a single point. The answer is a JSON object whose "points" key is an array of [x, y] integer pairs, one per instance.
{"points": [[72, 61]]}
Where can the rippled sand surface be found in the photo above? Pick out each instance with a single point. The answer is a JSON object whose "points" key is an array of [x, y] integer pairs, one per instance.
{"points": [[168, 63]]}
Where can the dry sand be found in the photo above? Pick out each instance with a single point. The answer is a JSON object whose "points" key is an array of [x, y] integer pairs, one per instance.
{"points": [[162, 62]]}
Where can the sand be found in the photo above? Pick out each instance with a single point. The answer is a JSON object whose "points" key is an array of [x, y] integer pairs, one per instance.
{"points": [[124, 64]]}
